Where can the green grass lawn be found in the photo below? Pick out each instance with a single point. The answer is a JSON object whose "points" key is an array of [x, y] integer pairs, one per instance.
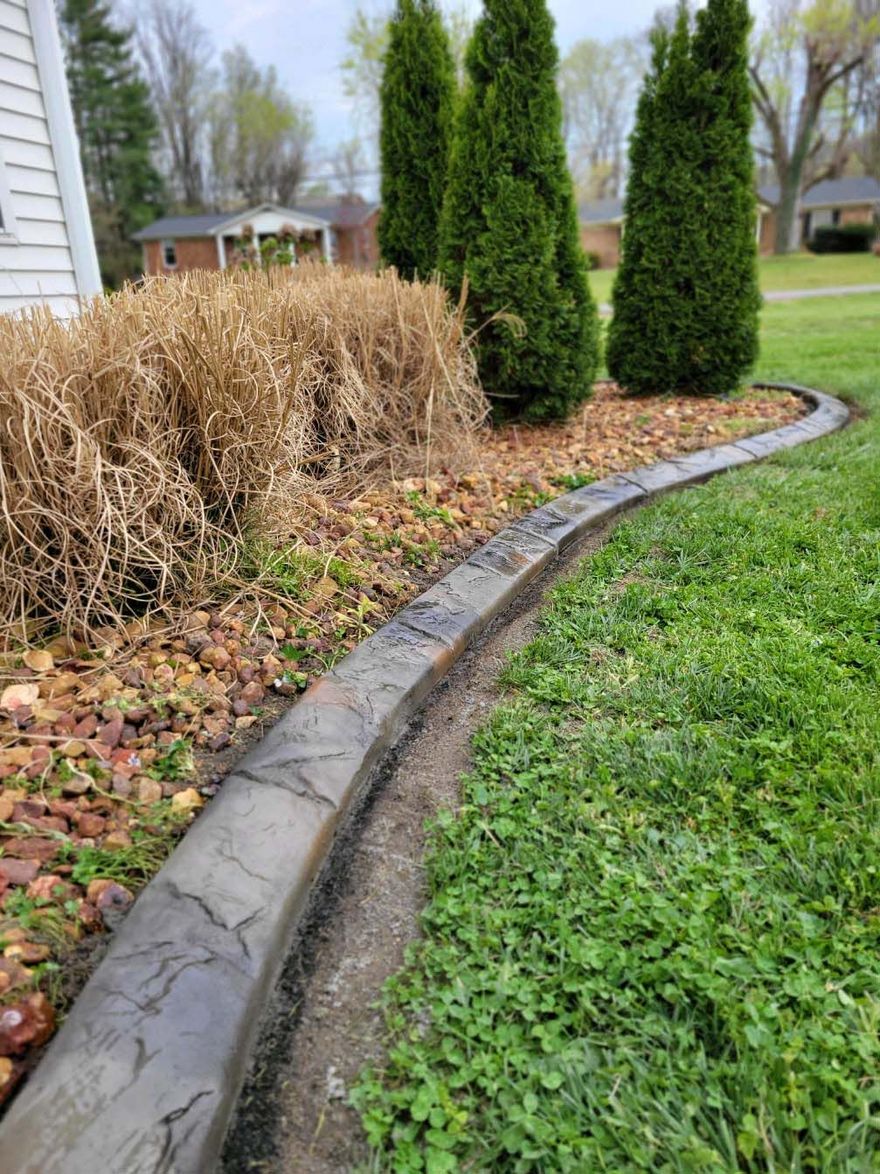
{"points": [[801, 271], [653, 935]]}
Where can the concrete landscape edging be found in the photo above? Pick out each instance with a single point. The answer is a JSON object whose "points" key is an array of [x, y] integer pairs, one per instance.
{"points": [[143, 1076]]}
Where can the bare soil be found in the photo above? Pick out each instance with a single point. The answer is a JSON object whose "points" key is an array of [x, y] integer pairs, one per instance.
{"points": [[323, 1024]]}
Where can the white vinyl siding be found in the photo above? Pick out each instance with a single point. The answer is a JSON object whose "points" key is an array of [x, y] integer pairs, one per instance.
{"points": [[36, 260]]}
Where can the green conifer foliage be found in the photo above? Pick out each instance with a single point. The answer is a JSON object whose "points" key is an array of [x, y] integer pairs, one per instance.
{"points": [[417, 97], [686, 297], [509, 227], [117, 131]]}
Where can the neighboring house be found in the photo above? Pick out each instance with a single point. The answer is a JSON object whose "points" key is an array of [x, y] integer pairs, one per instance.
{"points": [[355, 225], [47, 250], [602, 230], [344, 232], [852, 200]]}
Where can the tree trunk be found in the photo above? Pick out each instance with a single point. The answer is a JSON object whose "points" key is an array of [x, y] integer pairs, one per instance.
{"points": [[788, 220]]}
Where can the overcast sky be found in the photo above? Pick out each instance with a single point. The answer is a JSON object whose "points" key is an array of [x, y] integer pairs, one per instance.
{"points": [[305, 41]]}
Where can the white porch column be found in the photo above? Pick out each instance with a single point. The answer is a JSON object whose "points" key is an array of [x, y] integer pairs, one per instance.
{"points": [[326, 248], [221, 250]]}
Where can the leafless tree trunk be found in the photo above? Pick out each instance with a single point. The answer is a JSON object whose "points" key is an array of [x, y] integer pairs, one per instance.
{"points": [[815, 48], [177, 56]]}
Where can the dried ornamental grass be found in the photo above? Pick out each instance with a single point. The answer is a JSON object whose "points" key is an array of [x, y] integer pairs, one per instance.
{"points": [[139, 443]]}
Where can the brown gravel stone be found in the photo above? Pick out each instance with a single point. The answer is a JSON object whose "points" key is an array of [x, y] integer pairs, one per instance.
{"points": [[18, 872], [90, 824]]}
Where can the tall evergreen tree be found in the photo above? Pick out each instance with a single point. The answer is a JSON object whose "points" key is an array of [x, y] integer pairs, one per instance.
{"points": [[117, 130], [686, 297], [417, 95], [509, 227], [731, 300]]}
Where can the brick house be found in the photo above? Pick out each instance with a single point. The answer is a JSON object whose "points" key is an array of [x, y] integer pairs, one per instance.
{"points": [[343, 232], [602, 230], [852, 200], [354, 224], [855, 199]]}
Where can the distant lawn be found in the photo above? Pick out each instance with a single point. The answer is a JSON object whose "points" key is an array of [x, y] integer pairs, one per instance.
{"points": [[652, 941], [801, 271]]}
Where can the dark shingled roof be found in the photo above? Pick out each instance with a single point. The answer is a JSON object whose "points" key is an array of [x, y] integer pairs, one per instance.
{"points": [[337, 213], [340, 213], [852, 189], [173, 227], [600, 211]]}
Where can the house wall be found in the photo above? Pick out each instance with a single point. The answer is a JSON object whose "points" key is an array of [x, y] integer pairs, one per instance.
{"points": [[767, 242], [857, 215], [359, 246], [192, 253], [603, 239], [38, 262]]}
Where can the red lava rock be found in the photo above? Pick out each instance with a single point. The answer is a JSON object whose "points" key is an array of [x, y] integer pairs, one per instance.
{"points": [[149, 790], [137, 714], [29, 1022], [90, 824], [18, 872], [41, 888], [86, 728], [32, 848], [215, 657], [66, 808], [246, 674], [121, 785], [49, 823], [125, 760], [111, 733], [220, 741], [252, 694], [114, 896], [28, 809], [240, 708], [78, 785], [133, 677]]}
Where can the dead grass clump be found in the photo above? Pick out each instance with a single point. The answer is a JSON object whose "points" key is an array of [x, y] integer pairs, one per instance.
{"points": [[139, 443]]}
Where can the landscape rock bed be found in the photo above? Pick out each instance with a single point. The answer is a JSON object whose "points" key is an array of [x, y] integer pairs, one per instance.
{"points": [[108, 749]]}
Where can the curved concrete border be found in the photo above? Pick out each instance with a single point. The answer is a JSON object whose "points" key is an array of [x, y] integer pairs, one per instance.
{"points": [[144, 1074]]}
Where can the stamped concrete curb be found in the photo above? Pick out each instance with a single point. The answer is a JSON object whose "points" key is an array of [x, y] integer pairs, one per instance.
{"points": [[144, 1075]]}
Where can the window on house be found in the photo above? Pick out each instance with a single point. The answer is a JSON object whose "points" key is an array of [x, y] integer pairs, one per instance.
{"points": [[169, 254], [835, 217]]}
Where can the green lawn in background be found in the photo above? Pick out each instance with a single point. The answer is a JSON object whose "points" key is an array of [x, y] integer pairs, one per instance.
{"points": [[801, 271], [653, 934]]}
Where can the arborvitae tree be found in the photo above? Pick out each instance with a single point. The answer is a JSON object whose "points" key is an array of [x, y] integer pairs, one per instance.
{"points": [[117, 131], [509, 226], [730, 303], [686, 297], [417, 96]]}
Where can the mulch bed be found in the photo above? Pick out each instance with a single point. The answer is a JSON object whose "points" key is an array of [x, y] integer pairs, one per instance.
{"points": [[109, 750]]}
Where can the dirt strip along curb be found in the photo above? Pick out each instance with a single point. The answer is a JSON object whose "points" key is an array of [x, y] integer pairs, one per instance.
{"points": [[144, 1075]]}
